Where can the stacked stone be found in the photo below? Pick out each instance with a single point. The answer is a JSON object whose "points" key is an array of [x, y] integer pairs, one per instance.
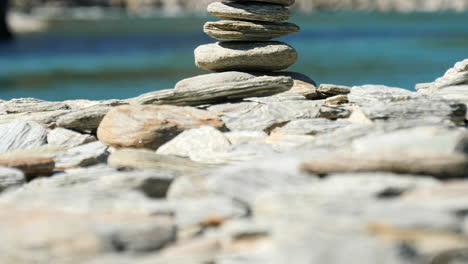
{"points": [[245, 37]]}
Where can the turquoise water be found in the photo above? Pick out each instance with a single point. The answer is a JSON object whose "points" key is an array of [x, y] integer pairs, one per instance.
{"points": [[122, 58]]}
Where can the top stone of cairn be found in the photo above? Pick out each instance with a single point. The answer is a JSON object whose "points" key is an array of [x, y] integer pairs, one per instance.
{"points": [[253, 11]]}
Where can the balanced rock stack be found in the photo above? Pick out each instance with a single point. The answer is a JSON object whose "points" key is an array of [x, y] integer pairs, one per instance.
{"points": [[245, 37]]}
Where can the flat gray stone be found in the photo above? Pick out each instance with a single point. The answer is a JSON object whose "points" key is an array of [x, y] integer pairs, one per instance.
{"points": [[266, 115], [333, 89], [153, 183], [249, 11], [145, 159], [82, 156], [84, 120], [382, 103], [248, 31], [68, 138], [245, 56], [10, 177], [31, 105], [312, 127], [21, 135]]}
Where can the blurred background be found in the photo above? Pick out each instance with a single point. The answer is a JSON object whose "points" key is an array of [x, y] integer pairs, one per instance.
{"points": [[103, 49]]}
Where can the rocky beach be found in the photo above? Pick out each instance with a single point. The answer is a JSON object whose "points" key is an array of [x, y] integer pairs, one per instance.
{"points": [[248, 164]]}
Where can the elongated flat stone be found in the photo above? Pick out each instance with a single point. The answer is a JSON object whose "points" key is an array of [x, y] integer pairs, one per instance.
{"points": [[251, 11], [248, 31], [217, 88], [245, 56]]}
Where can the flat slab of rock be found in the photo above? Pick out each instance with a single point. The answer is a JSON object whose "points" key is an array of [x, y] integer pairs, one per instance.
{"points": [[31, 167], [251, 11], [437, 165], [85, 120], [145, 159], [266, 115], [68, 138], [333, 89], [82, 156], [217, 88], [245, 56], [382, 103], [248, 31], [311, 127], [151, 126], [21, 135]]}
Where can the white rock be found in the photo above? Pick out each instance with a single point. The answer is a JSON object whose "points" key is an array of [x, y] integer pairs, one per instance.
{"points": [[21, 135]]}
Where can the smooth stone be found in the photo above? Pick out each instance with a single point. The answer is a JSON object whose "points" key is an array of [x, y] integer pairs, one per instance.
{"points": [[151, 126], [428, 139], [245, 56], [68, 138], [31, 105], [85, 120], [230, 30], [431, 164], [153, 183], [333, 89], [21, 135], [34, 166], [251, 11], [198, 144], [10, 177], [82, 156], [217, 88], [303, 85], [145, 159]]}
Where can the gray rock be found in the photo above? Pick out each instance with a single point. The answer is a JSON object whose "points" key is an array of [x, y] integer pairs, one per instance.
{"points": [[428, 139], [248, 31], [10, 177], [334, 112], [197, 144], [145, 159], [251, 11], [336, 100], [21, 135], [82, 156], [245, 181], [216, 88], [84, 120], [153, 183], [381, 103], [432, 164], [31, 105], [303, 85], [333, 89], [267, 114], [312, 127], [245, 56], [47, 118], [151, 126], [68, 138]]}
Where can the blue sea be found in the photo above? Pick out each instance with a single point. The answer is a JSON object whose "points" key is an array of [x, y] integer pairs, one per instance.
{"points": [[126, 56]]}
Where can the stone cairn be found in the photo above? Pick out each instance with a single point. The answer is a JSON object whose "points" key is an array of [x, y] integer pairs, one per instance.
{"points": [[245, 37]]}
